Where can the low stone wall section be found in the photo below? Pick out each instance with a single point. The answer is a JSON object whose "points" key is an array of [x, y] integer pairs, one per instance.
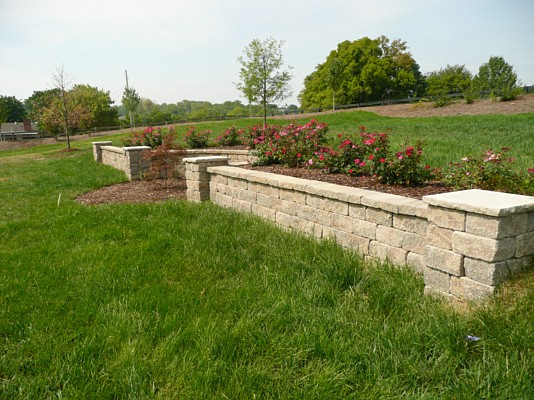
{"points": [[131, 159], [464, 243]]}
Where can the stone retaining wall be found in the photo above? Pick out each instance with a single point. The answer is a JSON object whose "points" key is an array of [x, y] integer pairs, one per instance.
{"points": [[464, 243], [130, 159]]}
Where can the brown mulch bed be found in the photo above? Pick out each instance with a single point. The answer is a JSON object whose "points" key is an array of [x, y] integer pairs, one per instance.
{"points": [[146, 191]]}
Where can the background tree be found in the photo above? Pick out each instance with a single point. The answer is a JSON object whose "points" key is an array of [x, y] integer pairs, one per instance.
{"points": [[499, 78], [262, 79], [334, 77], [370, 70], [130, 101], [448, 80], [11, 109], [98, 104]]}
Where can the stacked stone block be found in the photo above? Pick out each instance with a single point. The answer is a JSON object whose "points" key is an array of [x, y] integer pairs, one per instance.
{"points": [[476, 240], [197, 177]]}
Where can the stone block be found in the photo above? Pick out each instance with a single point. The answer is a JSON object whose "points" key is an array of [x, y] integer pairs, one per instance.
{"points": [[530, 222], [416, 262], [491, 250], [466, 288], [437, 280], [385, 252], [378, 216], [444, 260], [352, 242], [389, 236], [439, 237], [447, 218], [363, 228], [518, 265], [525, 245], [292, 195], [263, 212], [357, 211], [410, 224], [488, 273], [410, 207], [268, 201], [221, 199], [315, 215], [241, 205], [263, 189], [496, 227], [289, 207], [247, 195], [197, 185], [342, 222], [413, 242]]}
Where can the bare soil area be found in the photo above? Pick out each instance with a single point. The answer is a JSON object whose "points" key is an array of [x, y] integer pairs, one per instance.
{"points": [[158, 190]]}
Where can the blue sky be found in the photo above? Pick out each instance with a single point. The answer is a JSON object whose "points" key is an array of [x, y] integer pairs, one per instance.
{"points": [[176, 49]]}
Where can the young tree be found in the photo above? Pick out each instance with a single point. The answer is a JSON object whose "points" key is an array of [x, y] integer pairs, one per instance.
{"points": [[334, 78], [130, 101], [262, 79], [499, 78], [64, 109]]}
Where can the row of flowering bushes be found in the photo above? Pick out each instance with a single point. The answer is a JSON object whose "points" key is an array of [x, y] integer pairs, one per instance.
{"points": [[360, 153]]}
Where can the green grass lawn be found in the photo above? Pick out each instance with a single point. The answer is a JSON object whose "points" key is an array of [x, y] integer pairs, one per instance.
{"points": [[180, 300]]}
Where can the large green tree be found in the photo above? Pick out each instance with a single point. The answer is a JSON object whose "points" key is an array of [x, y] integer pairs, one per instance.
{"points": [[499, 78], [448, 80], [11, 109], [364, 70], [262, 78]]}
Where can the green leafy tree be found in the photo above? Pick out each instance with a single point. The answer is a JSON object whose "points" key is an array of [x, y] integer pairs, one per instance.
{"points": [[98, 104], [262, 77], [130, 101], [334, 78], [451, 79], [499, 78], [368, 70], [11, 109]]}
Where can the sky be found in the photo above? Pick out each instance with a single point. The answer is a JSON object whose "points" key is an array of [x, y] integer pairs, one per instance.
{"points": [[188, 49]]}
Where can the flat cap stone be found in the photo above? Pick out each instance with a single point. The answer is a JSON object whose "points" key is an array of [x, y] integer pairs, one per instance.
{"points": [[483, 202]]}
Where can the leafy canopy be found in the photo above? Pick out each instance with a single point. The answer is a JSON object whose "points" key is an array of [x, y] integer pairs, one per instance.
{"points": [[499, 78], [363, 70]]}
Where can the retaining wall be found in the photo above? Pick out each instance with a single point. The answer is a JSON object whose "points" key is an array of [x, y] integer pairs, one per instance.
{"points": [[131, 159], [464, 243]]}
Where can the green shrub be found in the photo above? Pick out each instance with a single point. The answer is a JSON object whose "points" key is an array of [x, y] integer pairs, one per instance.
{"points": [[197, 140]]}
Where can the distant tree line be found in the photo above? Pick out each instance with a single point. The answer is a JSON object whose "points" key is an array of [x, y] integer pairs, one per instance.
{"points": [[364, 70]]}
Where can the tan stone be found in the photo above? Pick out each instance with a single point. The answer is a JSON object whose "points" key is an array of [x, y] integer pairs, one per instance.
{"points": [[439, 237], [487, 273], [491, 250], [447, 218], [389, 236], [525, 245], [444, 260], [496, 227], [437, 280], [410, 224], [378, 216], [469, 289]]}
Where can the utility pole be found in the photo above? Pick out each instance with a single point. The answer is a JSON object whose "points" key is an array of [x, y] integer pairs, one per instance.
{"points": [[128, 91]]}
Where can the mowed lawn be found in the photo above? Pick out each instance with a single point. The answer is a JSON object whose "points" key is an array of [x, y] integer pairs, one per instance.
{"points": [[180, 300]]}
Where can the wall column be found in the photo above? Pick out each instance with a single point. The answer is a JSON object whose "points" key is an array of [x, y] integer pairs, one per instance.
{"points": [[97, 149], [476, 239], [197, 177]]}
